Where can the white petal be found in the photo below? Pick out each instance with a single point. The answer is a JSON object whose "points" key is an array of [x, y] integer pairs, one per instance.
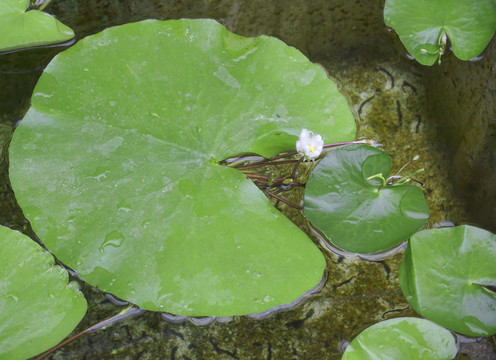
{"points": [[305, 134], [309, 145], [299, 147]]}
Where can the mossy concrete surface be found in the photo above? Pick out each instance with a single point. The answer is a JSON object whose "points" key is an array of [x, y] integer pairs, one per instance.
{"points": [[461, 99]]}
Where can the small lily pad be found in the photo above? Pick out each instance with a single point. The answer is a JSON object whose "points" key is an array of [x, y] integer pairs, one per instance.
{"points": [[117, 164], [38, 307], [358, 213], [402, 338], [423, 25], [24, 29], [448, 275]]}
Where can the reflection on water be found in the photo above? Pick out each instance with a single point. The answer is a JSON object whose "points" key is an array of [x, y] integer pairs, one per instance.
{"points": [[386, 93]]}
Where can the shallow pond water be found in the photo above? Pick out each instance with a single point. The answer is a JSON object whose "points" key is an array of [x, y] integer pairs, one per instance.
{"points": [[387, 94]]}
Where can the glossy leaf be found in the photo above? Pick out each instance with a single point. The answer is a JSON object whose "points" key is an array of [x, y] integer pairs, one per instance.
{"points": [[420, 24], [448, 275], [402, 338], [23, 29], [360, 215], [116, 164], [38, 307]]}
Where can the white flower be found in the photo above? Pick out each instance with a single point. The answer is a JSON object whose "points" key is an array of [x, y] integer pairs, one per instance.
{"points": [[309, 145]]}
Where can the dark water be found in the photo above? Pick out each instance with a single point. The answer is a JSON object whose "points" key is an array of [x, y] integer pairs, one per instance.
{"points": [[387, 94]]}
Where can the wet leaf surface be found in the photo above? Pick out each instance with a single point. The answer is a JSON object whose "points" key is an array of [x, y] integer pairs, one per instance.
{"points": [[24, 29], [116, 164], [402, 338], [358, 214], [38, 307], [447, 275], [468, 24]]}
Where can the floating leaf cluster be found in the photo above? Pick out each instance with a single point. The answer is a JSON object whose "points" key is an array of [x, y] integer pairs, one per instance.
{"points": [[129, 188]]}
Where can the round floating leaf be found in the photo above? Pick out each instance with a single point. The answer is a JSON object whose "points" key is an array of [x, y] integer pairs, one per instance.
{"points": [[117, 164], [449, 275], [23, 29], [38, 307], [421, 24], [402, 338], [359, 214]]}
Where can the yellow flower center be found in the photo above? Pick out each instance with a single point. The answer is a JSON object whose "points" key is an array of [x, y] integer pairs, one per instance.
{"points": [[312, 148]]}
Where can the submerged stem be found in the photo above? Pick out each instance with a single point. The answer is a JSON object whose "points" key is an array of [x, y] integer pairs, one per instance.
{"points": [[256, 176], [271, 161], [266, 162], [128, 312], [284, 201], [293, 173], [285, 183]]}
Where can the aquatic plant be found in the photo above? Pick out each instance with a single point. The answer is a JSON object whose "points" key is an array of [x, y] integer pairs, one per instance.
{"points": [[348, 198], [402, 338], [424, 26], [27, 27], [38, 306], [448, 275], [134, 122], [119, 166]]}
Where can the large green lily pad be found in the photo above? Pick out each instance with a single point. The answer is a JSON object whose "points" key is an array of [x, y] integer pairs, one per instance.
{"points": [[23, 29], [359, 214], [38, 307], [116, 164], [420, 24], [447, 274], [402, 338]]}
